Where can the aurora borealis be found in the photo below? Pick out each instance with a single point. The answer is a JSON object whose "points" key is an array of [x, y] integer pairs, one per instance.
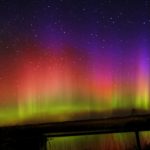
{"points": [[60, 59], [124, 141]]}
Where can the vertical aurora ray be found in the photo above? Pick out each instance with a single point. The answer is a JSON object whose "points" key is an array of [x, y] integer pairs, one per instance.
{"points": [[143, 82]]}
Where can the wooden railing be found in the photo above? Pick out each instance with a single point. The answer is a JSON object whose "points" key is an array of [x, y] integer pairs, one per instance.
{"points": [[38, 133]]}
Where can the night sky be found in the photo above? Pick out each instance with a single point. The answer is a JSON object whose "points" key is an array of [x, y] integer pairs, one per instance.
{"points": [[61, 58]]}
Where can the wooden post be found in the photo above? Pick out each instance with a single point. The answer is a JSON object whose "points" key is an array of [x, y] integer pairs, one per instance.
{"points": [[138, 140]]}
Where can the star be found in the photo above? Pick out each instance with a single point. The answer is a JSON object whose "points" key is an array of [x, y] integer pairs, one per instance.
{"points": [[35, 35], [64, 32], [144, 22], [83, 9]]}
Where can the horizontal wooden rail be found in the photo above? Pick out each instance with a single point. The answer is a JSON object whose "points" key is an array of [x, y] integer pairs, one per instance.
{"points": [[106, 125]]}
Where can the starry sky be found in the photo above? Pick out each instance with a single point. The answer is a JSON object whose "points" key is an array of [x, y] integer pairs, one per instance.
{"points": [[65, 58]]}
